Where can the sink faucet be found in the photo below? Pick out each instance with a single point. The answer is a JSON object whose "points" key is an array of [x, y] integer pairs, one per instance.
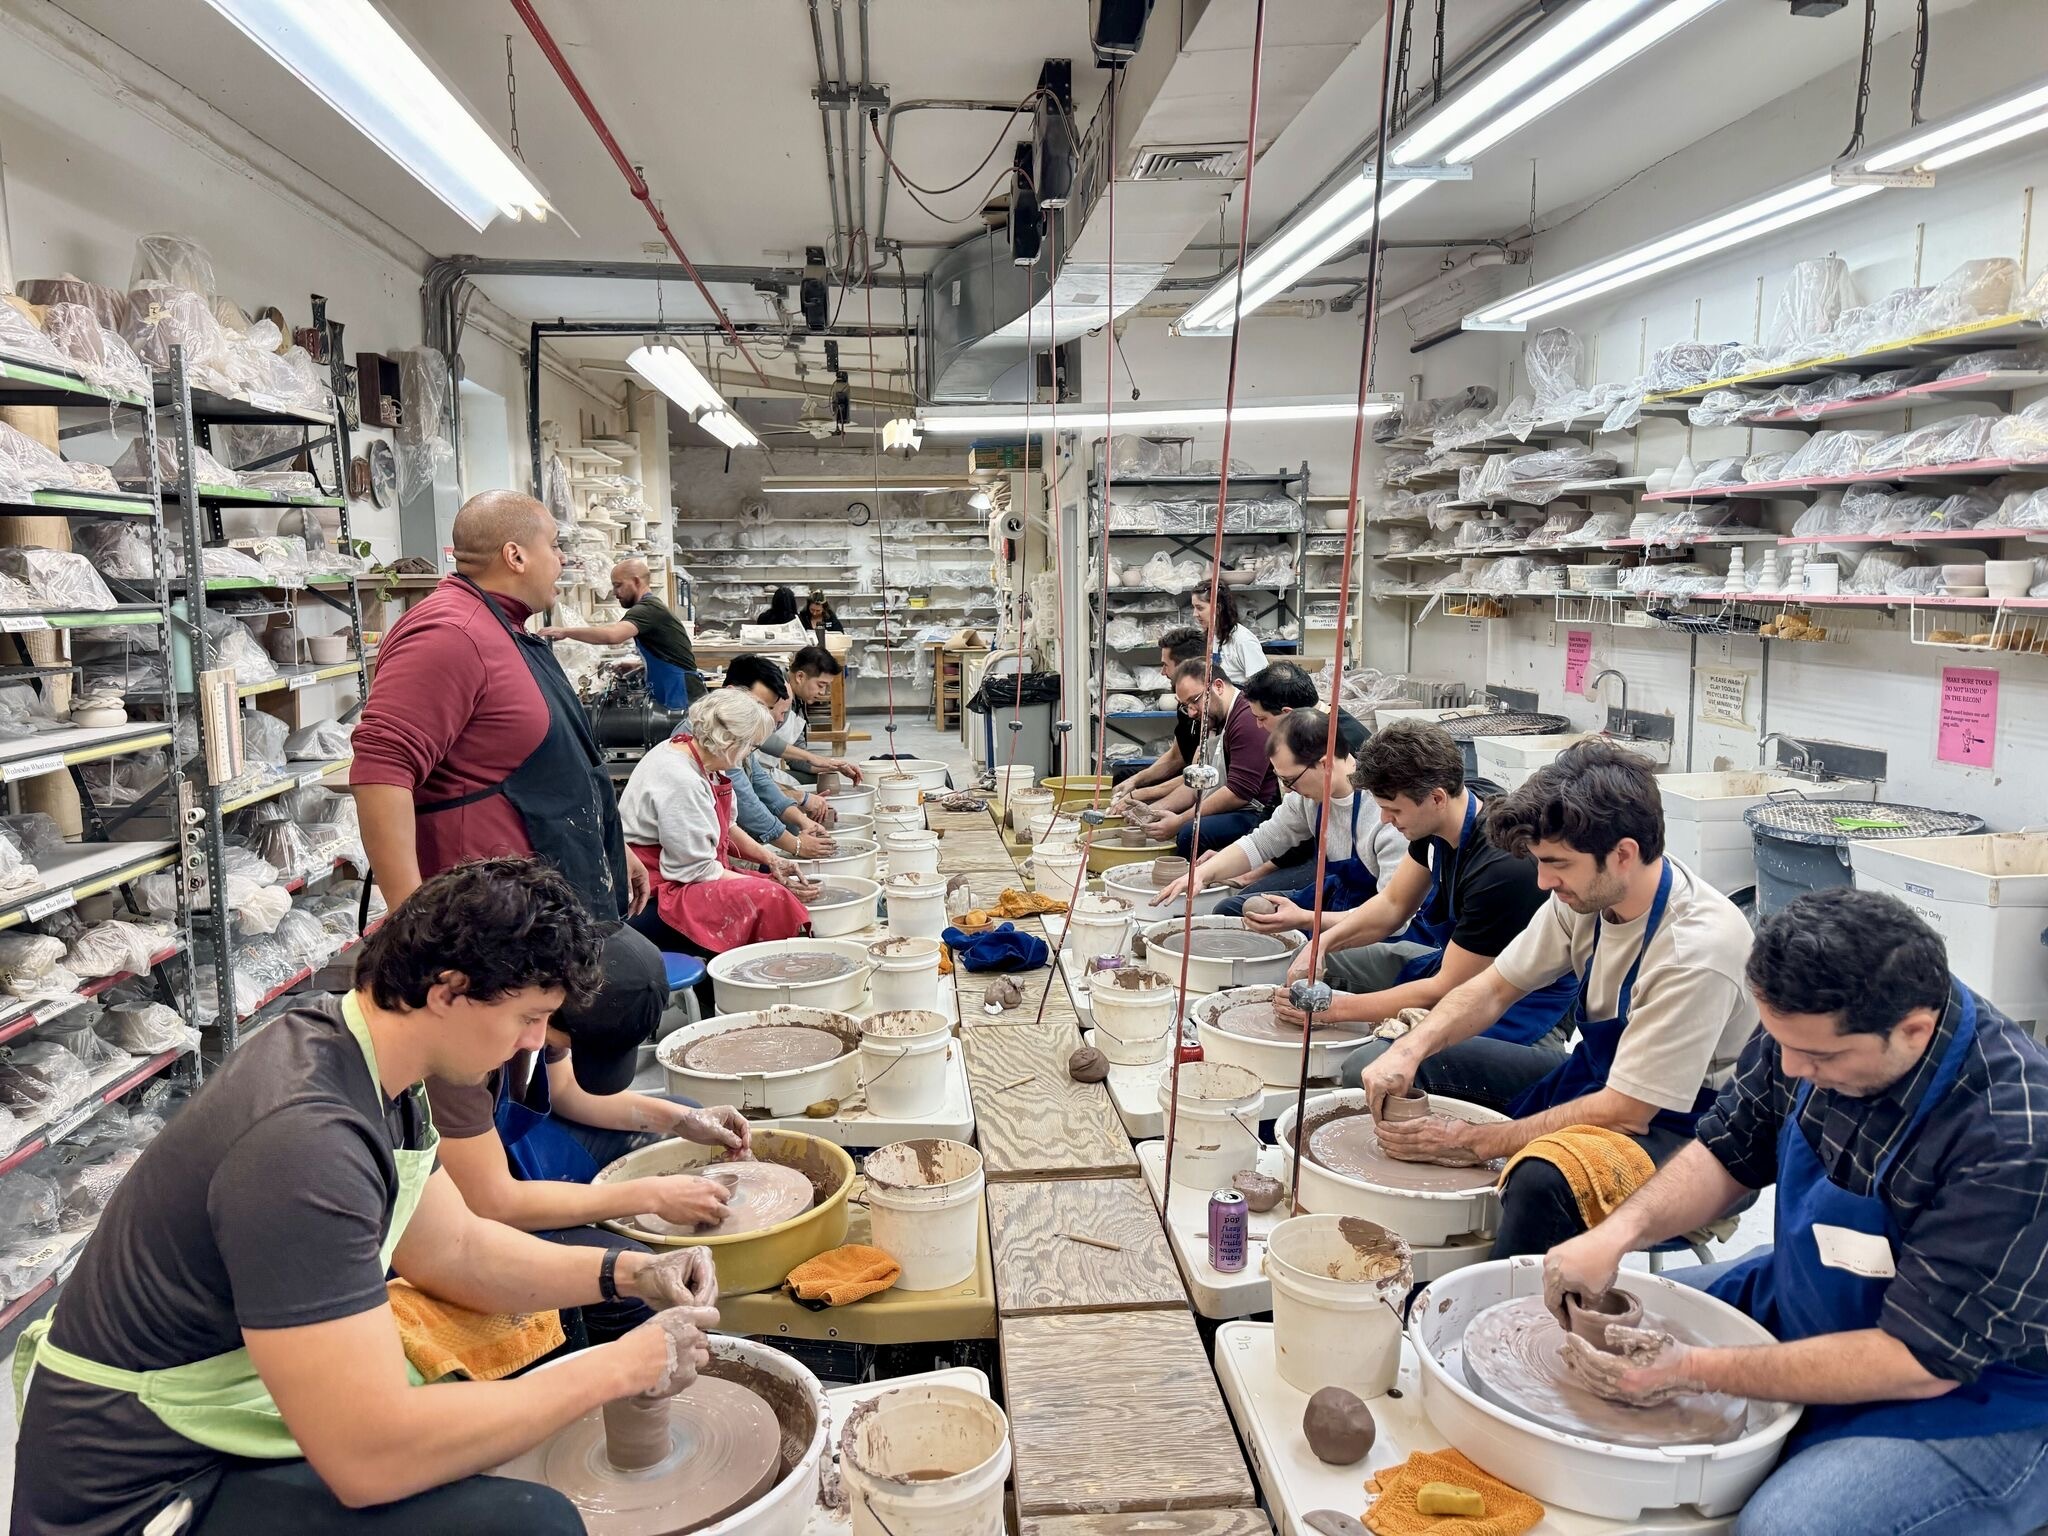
{"points": [[1803, 764], [1600, 677]]}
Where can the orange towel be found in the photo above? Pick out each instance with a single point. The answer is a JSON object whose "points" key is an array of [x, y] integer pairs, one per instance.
{"points": [[839, 1276], [1602, 1166], [1015, 903], [1509, 1511], [442, 1339]]}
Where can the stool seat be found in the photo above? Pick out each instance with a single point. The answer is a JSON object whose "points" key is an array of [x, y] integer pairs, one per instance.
{"points": [[683, 970]]}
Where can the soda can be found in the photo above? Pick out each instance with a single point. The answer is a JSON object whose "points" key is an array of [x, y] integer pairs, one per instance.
{"points": [[1229, 1231]]}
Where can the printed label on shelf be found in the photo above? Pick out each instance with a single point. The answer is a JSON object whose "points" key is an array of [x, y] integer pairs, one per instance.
{"points": [[311, 776], [303, 680], [31, 767], [56, 901], [75, 1123], [21, 623], [1919, 890]]}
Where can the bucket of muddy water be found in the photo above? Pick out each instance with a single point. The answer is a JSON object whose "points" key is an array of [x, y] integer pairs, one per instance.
{"points": [[1008, 781], [916, 903], [906, 974], [1338, 1285], [926, 1461], [1216, 1129], [924, 1209], [1094, 927], [903, 1061], [1133, 1010], [1057, 871], [911, 852], [1023, 803]]}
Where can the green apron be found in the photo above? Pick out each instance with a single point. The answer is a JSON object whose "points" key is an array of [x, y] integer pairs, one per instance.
{"points": [[221, 1403]]}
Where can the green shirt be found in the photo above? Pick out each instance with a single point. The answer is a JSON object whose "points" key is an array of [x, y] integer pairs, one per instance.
{"points": [[662, 636]]}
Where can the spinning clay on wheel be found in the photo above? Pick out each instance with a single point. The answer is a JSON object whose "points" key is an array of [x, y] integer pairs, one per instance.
{"points": [[1338, 1426]]}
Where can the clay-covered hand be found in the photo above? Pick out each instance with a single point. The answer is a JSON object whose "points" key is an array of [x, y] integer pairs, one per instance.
{"points": [[679, 1277], [720, 1125], [639, 886], [682, 1200], [1302, 966], [815, 845], [1173, 892], [1285, 1014], [1649, 1368], [821, 811], [1580, 1266], [1392, 1076], [668, 1350], [843, 765], [1440, 1139], [1283, 916]]}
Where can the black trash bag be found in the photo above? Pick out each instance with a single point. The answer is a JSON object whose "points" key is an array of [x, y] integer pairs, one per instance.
{"points": [[1001, 692]]}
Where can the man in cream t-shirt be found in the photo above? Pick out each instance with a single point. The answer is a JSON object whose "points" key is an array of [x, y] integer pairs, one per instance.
{"points": [[1662, 1014]]}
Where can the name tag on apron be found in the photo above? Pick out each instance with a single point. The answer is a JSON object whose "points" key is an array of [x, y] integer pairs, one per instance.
{"points": [[1861, 1253]]}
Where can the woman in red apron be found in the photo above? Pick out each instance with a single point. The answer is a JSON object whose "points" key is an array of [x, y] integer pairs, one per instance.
{"points": [[678, 815]]}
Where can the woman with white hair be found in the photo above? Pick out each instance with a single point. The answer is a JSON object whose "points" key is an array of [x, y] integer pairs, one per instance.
{"points": [[677, 811]]}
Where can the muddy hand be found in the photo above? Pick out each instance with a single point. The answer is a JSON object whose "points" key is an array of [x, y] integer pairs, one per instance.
{"points": [[815, 845], [671, 1349], [682, 1277], [1388, 1078], [684, 1200], [1578, 1267], [1650, 1367], [1437, 1139], [720, 1125]]}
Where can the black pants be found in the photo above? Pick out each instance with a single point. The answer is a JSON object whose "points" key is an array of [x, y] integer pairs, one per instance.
{"points": [[648, 923], [605, 1035], [263, 1499]]}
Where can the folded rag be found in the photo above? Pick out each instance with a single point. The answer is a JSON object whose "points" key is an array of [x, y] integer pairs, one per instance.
{"points": [[1509, 1511], [442, 1339], [1015, 903], [842, 1275], [1602, 1166], [1000, 949]]}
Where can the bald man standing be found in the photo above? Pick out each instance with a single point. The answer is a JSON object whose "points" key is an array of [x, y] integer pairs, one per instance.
{"points": [[664, 645]]}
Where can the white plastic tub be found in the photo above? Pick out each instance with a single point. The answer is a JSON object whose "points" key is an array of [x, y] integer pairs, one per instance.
{"points": [[856, 857], [786, 1092], [1026, 803], [892, 1444], [903, 1056], [1614, 1482], [838, 992], [1987, 896], [898, 819], [897, 791], [1426, 1218], [830, 920], [1010, 779], [1510, 760], [1278, 1062], [1336, 1303], [1215, 1132], [1057, 872], [916, 904], [924, 1209], [906, 973], [1214, 973], [911, 852], [1133, 882], [929, 772], [1094, 926], [1133, 1012], [853, 800]]}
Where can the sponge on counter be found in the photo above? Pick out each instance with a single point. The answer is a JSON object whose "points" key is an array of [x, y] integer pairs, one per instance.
{"points": [[1448, 1499]]}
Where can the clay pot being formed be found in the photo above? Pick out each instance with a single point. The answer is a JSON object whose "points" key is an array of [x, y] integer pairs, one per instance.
{"points": [[1167, 870], [1591, 1316], [1408, 1106]]}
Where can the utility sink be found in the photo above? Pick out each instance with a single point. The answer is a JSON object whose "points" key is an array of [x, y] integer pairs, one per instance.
{"points": [[1510, 760], [1703, 826]]}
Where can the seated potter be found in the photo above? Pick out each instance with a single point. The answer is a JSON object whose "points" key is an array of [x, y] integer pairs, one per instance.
{"points": [[1246, 793], [1358, 846], [1274, 692], [1900, 1117], [225, 1360], [793, 822], [680, 822], [1442, 913], [1653, 954], [1158, 782]]}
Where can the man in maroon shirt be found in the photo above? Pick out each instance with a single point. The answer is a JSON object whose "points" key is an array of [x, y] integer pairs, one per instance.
{"points": [[1248, 792]]}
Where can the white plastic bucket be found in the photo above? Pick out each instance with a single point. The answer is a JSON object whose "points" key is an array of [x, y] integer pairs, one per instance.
{"points": [[1027, 803], [917, 904], [899, 819], [929, 772], [1215, 1131], [906, 975], [903, 1055], [889, 1451], [1133, 1010], [1010, 779], [1057, 872], [1338, 1285], [896, 791], [924, 1209], [1094, 926], [911, 851]]}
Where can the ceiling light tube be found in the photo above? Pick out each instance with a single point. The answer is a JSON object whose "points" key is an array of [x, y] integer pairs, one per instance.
{"points": [[348, 53], [996, 420], [814, 485], [1975, 132], [670, 370]]}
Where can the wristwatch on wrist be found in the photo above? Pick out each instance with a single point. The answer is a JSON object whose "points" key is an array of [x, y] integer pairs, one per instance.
{"points": [[607, 1276]]}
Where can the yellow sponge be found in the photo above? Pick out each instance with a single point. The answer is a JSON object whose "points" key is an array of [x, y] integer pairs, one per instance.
{"points": [[1448, 1499]]}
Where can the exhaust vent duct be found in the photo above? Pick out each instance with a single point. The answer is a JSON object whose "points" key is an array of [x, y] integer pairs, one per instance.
{"points": [[1187, 162]]}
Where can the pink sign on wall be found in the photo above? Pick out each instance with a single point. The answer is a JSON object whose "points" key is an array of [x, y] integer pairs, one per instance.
{"points": [[1969, 716], [1578, 655]]}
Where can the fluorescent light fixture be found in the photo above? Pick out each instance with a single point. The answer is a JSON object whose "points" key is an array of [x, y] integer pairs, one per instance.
{"points": [[670, 370], [351, 56], [994, 420], [1930, 148], [1747, 221], [840, 485], [1536, 73]]}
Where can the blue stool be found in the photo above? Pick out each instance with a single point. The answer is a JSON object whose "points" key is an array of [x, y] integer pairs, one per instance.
{"points": [[684, 972]]}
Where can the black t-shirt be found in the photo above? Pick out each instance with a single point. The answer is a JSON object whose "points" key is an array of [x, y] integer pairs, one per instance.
{"points": [[662, 633], [1496, 891], [262, 1204]]}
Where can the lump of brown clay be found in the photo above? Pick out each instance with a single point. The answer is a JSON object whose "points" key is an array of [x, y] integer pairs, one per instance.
{"points": [[1261, 1191], [1338, 1427], [1259, 906], [1001, 994], [1088, 1065]]}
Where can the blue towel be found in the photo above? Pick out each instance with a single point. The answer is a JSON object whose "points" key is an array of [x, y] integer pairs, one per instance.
{"points": [[999, 949]]}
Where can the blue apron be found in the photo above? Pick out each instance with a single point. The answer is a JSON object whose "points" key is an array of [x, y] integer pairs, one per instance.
{"points": [[1790, 1291], [1530, 1019], [667, 684], [1349, 882], [1592, 1058], [535, 1145]]}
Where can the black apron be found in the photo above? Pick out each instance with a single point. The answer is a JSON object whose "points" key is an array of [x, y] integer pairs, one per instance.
{"points": [[562, 792]]}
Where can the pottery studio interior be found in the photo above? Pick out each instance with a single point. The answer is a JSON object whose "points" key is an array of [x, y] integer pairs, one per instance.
{"points": [[1168, 767]]}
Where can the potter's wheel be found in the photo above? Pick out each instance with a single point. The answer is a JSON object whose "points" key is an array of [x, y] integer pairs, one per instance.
{"points": [[758, 1195], [830, 893], [724, 1452], [1349, 1144], [766, 1047], [1235, 944], [1514, 1359], [1255, 1021], [801, 968]]}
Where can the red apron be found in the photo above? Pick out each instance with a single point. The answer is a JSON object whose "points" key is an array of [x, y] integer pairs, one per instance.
{"points": [[718, 915]]}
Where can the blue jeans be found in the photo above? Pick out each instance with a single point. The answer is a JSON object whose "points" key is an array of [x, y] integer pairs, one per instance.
{"points": [[1284, 881], [1218, 831]]}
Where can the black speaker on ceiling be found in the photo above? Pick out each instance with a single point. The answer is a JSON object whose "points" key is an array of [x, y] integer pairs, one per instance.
{"points": [[811, 293], [1116, 28], [1052, 139]]}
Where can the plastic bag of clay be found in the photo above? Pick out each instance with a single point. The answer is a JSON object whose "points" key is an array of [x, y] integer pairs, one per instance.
{"points": [[1720, 408], [1975, 290], [116, 549], [258, 448], [1682, 365], [28, 1205], [20, 338], [285, 845], [27, 466], [107, 305], [1934, 444], [1147, 456], [239, 649], [425, 452], [75, 1032], [206, 984], [305, 939], [1815, 294], [175, 259], [115, 946], [27, 956], [99, 354], [28, 1259], [1556, 361], [1995, 360], [1830, 455], [2024, 509], [266, 963], [1953, 514], [1875, 571], [58, 578], [320, 742], [1903, 512], [2021, 437], [1914, 581], [84, 1188], [264, 909], [41, 1080], [282, 561], [130, 470], [1716, 472], [35, 833], [163, 317]]}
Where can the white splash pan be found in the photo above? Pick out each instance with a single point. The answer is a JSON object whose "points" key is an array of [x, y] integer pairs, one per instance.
{"points": [[786, 1508], [830, 920], [787, 1092], [857, 858], [1133, 882], [1276, 1061], [1617, 1482], [1209, 974], [839, 992], [1427, 1218]]}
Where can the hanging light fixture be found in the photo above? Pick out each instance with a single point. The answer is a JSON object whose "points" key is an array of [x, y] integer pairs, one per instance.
{"points": [[995, 420], [670, 370]]}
